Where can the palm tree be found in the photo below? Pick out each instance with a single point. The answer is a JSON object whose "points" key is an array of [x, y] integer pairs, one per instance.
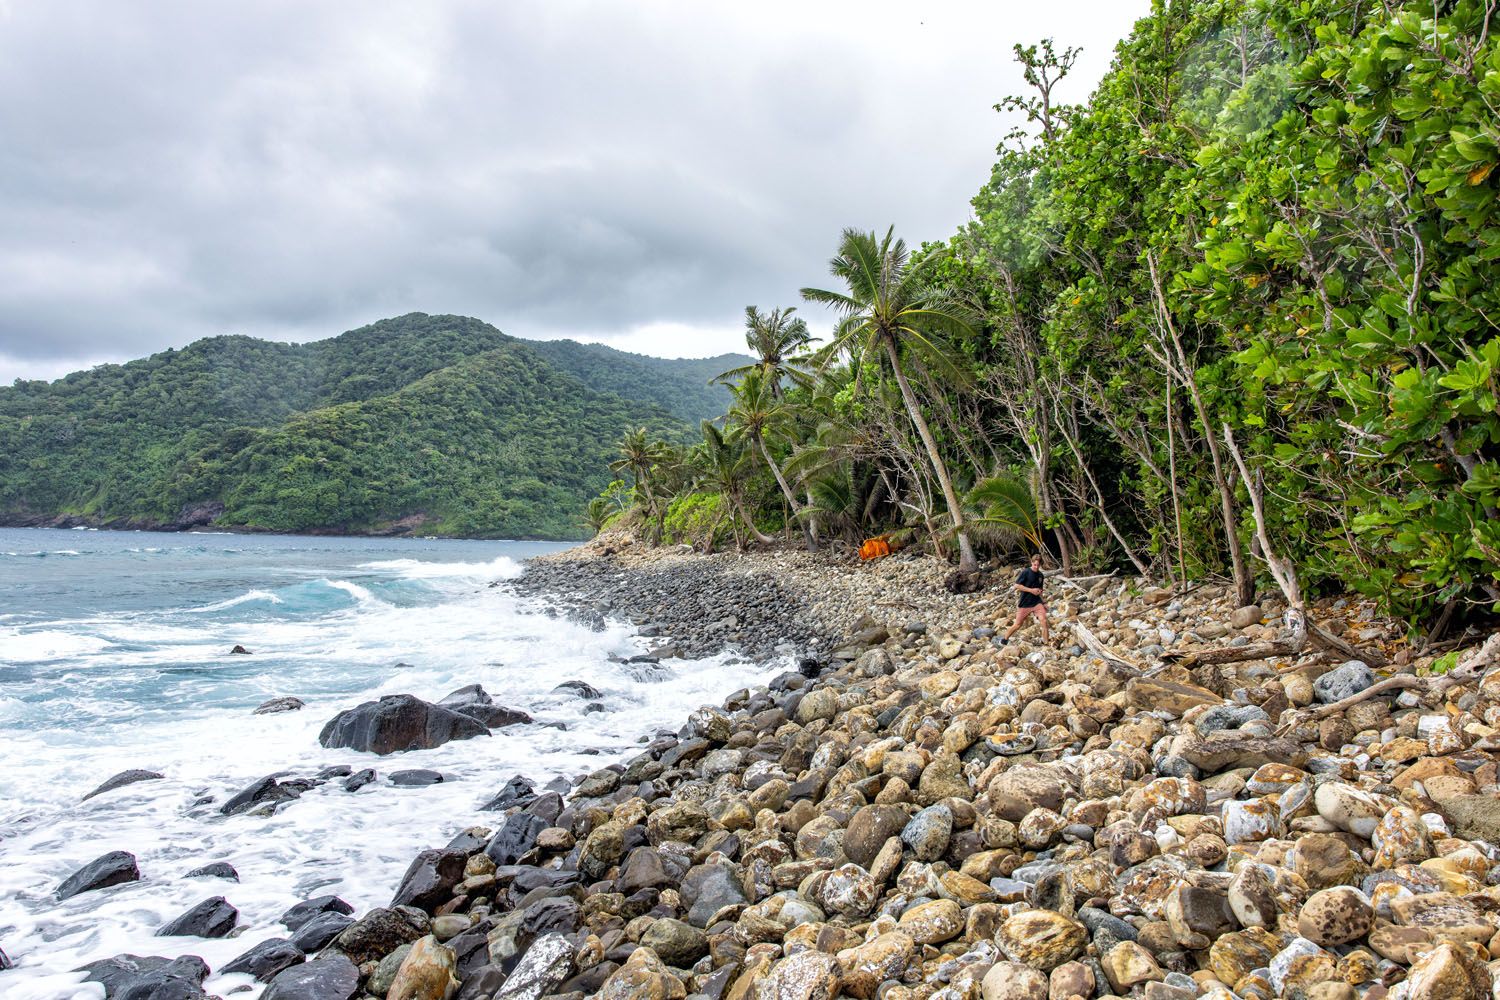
{"points": [[755, 413], [724, 465], [889, 308], [1006, 505], [638, 455], [774, 339]]}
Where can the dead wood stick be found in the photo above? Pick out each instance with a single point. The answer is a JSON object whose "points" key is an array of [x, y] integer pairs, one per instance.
{"points": [[1091, 642], [1472, 667]]}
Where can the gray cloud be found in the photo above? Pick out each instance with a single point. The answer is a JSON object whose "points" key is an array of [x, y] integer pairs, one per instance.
{"points": [[633, 173]]}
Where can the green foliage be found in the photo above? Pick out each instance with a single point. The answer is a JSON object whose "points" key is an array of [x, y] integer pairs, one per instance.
{"points": [[1005, 506], [697, 519], [440, 419]]}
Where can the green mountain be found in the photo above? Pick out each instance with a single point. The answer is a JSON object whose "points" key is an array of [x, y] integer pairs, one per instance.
{"points": [[433, 424]]}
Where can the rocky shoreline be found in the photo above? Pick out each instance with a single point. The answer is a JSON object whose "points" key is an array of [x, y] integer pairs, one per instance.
{"points": [[921, 812]]}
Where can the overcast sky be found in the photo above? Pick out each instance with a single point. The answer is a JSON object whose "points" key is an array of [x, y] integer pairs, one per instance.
{"points": [[629, 172]]}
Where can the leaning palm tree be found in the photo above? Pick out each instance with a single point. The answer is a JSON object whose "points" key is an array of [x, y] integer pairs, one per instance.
{"points": [[775, 340], [724, 464], [1005, 506], [639, 454], [756, 413], [890, 309]]}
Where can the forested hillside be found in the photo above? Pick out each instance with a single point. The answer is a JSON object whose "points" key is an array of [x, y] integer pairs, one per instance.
{"points": [[1235, 317], [441, 422]]}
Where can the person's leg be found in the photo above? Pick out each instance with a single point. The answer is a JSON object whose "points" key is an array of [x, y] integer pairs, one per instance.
{"points": [[1020, 619], [1041, 613]]}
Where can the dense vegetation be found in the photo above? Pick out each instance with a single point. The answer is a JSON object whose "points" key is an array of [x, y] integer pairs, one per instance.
{"points": [[439, 420], [1235, 317]]}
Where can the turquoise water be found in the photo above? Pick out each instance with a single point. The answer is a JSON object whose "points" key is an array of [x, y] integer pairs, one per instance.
{"points": [[114, 654]]}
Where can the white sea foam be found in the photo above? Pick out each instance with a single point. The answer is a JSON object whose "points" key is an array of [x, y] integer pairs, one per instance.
{"points": [[197, 729], [18, 646], [245, 598], [502, 568]]}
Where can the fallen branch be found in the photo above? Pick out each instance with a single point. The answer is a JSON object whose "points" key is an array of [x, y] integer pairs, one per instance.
{"points": [[1471, 668], [1111, 659], [1326, 640]]}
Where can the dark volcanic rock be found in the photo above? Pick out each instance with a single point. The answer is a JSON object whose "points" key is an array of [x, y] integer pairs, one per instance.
{"points": [[265, 960], [581, 689], [375, 935], [5, 962], [113, 868], [398, 722], [212, 918], [317, 932], [475, 702], [265, 791], [515, 838], [132, 977], [306, 910], [217, 869], [332, 977], [121, 780], [359, 779], [429, 880], [415, 777], [518, 791]]}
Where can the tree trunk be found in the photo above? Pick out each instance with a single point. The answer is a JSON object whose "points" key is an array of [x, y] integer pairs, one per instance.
{"points": [[967, 562], [786, 491], [760, 536]]}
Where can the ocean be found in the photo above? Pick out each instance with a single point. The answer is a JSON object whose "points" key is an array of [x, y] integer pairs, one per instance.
{"points": [[115, 654]]}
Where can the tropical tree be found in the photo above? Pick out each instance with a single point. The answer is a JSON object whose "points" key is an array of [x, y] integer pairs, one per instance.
{"points": [[756, 413], [724, 465], [639, 455], [776, 340], [890, 309]]}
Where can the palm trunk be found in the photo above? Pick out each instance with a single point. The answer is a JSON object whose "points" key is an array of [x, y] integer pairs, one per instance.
{"points": [[967, 562], [786, 491], [760, 536]]}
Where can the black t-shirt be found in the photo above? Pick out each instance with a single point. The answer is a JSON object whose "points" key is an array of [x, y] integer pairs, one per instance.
{"points": [[1030, 578]]}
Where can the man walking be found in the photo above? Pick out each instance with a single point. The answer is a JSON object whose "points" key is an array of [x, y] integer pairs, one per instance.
{"points": [[1029, 584]]}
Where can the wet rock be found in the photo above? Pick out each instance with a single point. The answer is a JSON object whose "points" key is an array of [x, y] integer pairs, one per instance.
{"points": [[707, 889], [516, 837], [415, 777], [265, 960], [359, 779], [642, 977], [579, 689], [332, 977], [265, 792], [376, 934], [518, 791], [475, 702], [546, 963], [675, 942], [122, 779], [1335, 916], [319, 931], [427, 973], [807, 975], [212, 918], [127, 977], [308, 909], [276, 706], [114, 868], [397, 723], [864, 967], [215, 869], [430, 878]]}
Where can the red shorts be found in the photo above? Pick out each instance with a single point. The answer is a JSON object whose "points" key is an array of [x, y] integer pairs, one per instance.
{"points": [[1036, 609]]}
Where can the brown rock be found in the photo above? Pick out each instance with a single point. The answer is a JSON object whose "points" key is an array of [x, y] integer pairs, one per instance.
{"points": [[1041, 939], [1336, 916]]}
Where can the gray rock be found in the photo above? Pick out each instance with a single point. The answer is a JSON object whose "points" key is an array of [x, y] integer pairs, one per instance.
{"points": [[306, 910], [928, 832], [396, 723], [708, 888], [332, 977], [216, 869], [131, 977], [212, 918], [385, 973], [415, 777], [122, 779], [1343, 682], [114, 868], [377, 934], [265, 960], [317, 932], [546, 963], [278, 705], [359, 779], [429, 879], [265, 791]]}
